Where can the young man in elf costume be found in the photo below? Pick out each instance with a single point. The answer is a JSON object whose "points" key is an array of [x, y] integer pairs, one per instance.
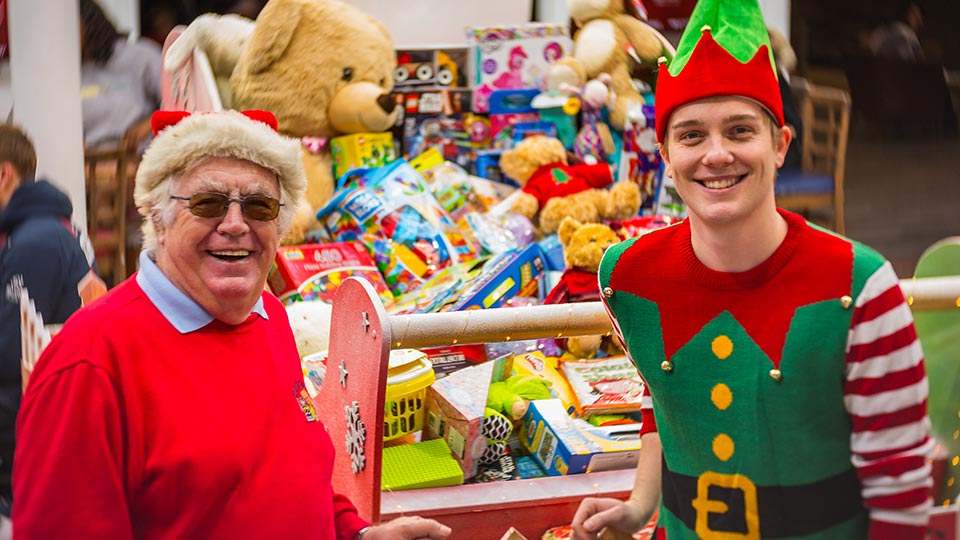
{"points": [[786, 395]]}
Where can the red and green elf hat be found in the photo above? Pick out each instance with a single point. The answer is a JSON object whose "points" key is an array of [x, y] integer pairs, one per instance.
{"points": [[724, 51]]}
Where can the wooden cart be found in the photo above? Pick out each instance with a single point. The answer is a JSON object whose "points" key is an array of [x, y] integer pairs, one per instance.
{"points": [[361, 337]]}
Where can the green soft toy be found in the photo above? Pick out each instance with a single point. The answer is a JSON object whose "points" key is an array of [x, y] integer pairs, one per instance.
{"points": [[512, 396]]}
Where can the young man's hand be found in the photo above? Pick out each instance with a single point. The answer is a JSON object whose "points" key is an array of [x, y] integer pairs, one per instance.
{"points": [[607, 519]]}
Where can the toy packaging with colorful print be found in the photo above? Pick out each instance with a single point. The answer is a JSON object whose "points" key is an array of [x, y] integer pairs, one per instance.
{"points": [[604, 385]]}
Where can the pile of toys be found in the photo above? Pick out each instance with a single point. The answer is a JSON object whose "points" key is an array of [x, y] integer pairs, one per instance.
{"points": [[489, 174]]}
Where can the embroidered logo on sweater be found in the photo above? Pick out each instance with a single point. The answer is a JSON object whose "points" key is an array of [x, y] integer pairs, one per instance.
{"points": [[560, 176], [306, 404]]}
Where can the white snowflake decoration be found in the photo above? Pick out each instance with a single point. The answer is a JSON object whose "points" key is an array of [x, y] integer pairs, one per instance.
{"points": [[356, 437]]}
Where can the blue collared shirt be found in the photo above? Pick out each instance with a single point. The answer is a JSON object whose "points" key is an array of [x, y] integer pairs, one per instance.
{"points": [[183, 313]]}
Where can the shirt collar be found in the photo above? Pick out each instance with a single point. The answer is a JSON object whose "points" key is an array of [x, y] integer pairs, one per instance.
{"points": [[182, 311]]}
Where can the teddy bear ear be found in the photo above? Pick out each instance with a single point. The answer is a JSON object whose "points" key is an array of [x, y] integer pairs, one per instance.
{"points": [[272, 34], [567, 228]]}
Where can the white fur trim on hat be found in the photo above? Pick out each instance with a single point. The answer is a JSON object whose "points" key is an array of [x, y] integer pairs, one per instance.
{"points": [[220, 134]]}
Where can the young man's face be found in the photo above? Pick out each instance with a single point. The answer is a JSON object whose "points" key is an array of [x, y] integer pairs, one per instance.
{"points": [[723, 155]]}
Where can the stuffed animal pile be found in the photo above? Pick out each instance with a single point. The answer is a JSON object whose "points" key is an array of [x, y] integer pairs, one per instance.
{"points": [[323, 67], [553, 189]]}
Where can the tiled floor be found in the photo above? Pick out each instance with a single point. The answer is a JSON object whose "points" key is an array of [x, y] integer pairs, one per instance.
{"points": [[902, 196]]}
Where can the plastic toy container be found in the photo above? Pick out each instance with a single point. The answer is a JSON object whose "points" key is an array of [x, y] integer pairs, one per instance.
{"points": [[408, 376]]}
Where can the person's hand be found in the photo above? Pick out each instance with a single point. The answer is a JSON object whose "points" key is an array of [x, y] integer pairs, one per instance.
{"points": [[408, 528], [614, 518]]}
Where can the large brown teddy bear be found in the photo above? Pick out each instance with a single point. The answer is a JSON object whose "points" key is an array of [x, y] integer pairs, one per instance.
{"points": [[552, 190], [609, 36], [323, 67]]}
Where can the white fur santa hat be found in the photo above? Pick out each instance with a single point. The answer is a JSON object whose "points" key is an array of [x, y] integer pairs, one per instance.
{"points": [[182, 137]]}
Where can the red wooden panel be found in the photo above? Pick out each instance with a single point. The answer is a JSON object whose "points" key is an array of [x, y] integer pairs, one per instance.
{"points": [[357, 373], [488, 510]]}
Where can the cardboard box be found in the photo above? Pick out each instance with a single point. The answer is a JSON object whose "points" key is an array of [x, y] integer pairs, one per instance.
{"points": [[361, 150], [455, 407], [563, 445], [314, 271], [514, 57], [452, 358], [514, 273]]}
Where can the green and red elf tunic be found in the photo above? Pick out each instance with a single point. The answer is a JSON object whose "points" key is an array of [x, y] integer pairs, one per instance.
{"points": [[790, 399]]}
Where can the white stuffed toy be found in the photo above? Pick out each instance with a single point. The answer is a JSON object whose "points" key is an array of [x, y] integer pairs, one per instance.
{"points": [[310, 322]]}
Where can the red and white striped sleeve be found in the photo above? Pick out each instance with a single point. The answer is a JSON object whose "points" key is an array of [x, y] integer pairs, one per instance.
{"points": [[885, 394]]}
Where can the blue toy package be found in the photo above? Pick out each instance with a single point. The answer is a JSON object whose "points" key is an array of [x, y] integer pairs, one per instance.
{"points": [[393, 213], [640, 160], [508, 108]]}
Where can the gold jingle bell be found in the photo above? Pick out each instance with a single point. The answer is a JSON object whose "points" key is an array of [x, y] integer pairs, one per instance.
{"points": [[666, 365], [846, 302], [775, 374], [608, 292]]}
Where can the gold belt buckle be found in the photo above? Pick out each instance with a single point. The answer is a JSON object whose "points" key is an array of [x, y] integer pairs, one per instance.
{"points": [[706, 506]]}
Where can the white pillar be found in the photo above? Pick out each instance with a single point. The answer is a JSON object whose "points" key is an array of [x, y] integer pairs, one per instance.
{"points": [[45, 77]]}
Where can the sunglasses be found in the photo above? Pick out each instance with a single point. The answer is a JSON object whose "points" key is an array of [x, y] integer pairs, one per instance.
{"points": [[214, 205]]}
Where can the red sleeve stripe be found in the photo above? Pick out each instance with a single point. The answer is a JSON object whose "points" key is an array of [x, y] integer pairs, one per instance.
{"points": [[876, 385], [892, 467], [920, 448], [875, 307], [882, 529], [876, 367], [886, 402], [905, 499], [883, 421], [875, 441], [890, 322], [649, 423], [883, 345]]}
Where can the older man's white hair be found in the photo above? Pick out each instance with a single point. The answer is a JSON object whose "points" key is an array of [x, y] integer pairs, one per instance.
{"points": [[221, 134]]}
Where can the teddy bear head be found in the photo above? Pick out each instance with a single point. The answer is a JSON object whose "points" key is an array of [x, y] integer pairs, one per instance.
{"points": [[584, 244], [582, 11], [323, 67], [521, 161]]}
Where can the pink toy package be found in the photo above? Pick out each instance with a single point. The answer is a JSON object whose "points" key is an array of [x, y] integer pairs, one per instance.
{"points": [[513, 57]]}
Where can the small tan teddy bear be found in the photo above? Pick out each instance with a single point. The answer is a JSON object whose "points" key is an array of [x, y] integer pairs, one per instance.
{"points": [[583, 248], [553, 190]]}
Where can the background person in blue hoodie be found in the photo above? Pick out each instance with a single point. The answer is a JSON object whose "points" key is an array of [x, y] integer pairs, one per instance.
{"points": [[39, 250]]}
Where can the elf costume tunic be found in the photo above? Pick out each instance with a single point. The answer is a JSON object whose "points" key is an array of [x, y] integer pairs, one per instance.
{"points": [[790, 399]]}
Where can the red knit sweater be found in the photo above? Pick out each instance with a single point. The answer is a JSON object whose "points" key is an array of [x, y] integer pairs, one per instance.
{"points": [[130, 429]]}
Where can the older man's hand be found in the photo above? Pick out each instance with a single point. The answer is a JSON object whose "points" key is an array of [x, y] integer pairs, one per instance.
{"points": [[408, 528]]}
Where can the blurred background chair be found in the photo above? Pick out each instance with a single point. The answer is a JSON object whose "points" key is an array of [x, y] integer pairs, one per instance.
{"points": [[816, 191], [109, 174]]}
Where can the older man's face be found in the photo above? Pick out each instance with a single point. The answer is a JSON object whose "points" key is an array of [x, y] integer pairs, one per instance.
{"points": [[220, 262]]}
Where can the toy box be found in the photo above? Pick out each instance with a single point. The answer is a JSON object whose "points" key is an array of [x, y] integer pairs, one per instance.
{"points": [[513, 57], [508, 108], [640, 160], [455, 407], [452, 358], [509, 274], [430, 67], [563, 445], [314, 271], [440, 119], [361, 150]]}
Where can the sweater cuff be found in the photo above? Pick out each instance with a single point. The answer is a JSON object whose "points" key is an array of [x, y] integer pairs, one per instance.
{"points": [[349, 525], [883, 530]]}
